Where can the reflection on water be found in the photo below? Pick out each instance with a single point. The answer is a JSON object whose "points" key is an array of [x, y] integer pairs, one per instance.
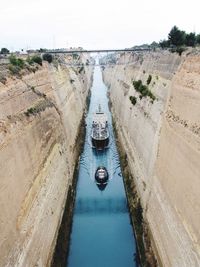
{"points": [[101, 206], [102, 186], [101, 232]]}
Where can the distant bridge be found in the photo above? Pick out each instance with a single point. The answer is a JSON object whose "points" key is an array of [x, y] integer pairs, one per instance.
{"points": [[74, 51], [111, 57]]}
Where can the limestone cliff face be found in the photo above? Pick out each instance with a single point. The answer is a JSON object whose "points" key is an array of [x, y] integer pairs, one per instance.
{"points": [[40, 114], [162, 142]]}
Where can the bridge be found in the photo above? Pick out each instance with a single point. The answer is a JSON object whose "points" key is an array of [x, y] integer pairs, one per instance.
{"points": [[74, 51], [100, 57]]}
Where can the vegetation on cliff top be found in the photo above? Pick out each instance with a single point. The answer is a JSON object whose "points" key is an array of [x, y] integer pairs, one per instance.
{"points": [[47, 57], [18, 63], [4, 51], [179, 39], [34, 59]]}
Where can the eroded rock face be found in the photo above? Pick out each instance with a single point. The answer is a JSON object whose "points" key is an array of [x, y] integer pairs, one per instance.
{"points": [[162, 141], [40, 114]]}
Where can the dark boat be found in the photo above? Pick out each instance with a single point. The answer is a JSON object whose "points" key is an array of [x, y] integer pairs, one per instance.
{"points": [[101, 175], [100, 133]]}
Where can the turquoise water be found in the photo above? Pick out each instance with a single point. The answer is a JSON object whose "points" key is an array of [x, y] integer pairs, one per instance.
{"points": [[101, 234]]}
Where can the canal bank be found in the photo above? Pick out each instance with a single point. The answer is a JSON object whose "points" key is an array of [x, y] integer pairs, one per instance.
{"points": [[145, 254], [63, 240]]}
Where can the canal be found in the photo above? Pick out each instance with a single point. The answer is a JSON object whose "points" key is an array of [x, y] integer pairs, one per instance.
{"points": [[102, 234]]}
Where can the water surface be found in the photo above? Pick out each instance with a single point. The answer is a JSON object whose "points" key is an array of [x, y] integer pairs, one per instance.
{"points": [[101, 235]]}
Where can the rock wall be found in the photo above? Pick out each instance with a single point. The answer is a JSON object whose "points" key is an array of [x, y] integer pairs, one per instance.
{"points": [[162, 142], [40, 115]]}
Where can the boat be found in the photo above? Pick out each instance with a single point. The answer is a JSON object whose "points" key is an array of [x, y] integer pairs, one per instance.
{"points": [[100, 132], [101, 175]]}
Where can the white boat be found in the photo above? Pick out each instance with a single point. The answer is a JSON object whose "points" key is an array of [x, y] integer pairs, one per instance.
{"points": [[100, 132]]}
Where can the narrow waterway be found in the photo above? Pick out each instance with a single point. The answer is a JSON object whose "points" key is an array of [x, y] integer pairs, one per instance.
{"points": [[101, 234]]}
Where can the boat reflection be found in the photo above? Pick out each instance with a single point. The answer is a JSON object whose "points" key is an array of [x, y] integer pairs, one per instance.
{"points": [[101, 186]]}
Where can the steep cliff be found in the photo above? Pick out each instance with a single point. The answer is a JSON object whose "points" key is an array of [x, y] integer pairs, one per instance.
{"points": [[162, 140], [40, 114]]}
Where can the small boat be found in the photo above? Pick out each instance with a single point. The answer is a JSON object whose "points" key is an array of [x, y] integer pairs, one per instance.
{"points": [[101, 175], [100, 133]]}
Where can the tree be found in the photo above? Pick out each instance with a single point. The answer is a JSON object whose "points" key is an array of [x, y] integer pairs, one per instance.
{"points": [[190, 39], [198, 39], [48, 57], [176, 37], [164, 43], [4, 51]]}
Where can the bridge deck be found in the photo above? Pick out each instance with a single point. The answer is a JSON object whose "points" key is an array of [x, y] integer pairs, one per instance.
{"points": [[98, 51]]}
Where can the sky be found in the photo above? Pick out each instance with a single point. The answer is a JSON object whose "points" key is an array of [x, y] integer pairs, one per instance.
{"points": [[91, 24]]}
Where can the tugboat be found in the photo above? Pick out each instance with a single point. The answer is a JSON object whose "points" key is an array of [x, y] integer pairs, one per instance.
{"points": [[100, 133], [101, 175]]}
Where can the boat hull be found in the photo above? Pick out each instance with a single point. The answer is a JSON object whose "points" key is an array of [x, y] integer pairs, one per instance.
{"points": [[100, 144]]}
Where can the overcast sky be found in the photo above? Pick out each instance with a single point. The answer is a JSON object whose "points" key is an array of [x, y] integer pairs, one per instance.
{"points": [[92, 24]]}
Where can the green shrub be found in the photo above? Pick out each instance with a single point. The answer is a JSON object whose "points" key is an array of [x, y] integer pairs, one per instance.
{"points": [[81, 69], [143, 90], [47, 57], [149, 79], [29, 60], [133, 100], [30, 111], [19, 62], [34, 59], [137, 85]]}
